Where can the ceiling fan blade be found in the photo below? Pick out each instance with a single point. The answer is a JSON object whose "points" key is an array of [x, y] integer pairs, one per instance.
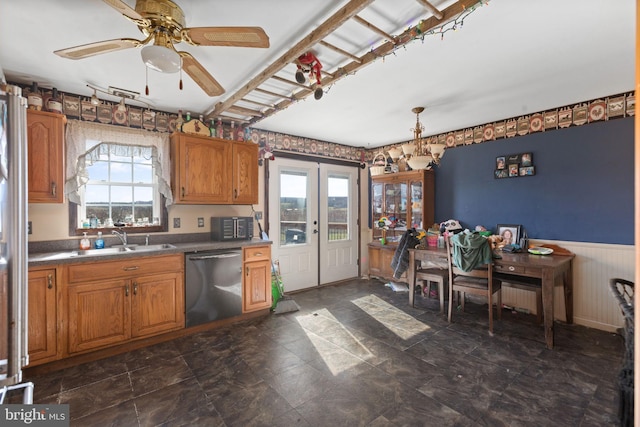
{"points": [[128, 12], [226, 36], [197, 72], [105, 46]]}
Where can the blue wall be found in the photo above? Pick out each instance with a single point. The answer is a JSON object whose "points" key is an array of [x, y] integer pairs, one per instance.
{"points": [[582, 190]]}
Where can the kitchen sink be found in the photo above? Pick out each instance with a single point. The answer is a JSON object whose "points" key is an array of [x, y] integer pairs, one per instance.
{"points": [[105, 251], [139, 248], [111, 250]]}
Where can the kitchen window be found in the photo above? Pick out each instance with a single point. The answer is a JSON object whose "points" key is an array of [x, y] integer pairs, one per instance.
{"points": [[118, 178]]}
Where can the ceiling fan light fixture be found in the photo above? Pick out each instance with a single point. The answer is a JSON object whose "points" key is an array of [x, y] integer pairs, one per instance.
{"points": [[162, 59]]}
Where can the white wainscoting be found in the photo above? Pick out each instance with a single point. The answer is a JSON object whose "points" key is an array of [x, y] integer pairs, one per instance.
{"points": [[593, 266]]}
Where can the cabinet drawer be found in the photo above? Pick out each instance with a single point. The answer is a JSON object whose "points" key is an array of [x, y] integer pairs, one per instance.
{"points": [[509, 268], [256, 253], [518, 269], [84, 272]]}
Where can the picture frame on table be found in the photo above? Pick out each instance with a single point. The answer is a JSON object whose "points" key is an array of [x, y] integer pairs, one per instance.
{"points": [[509, 232]]}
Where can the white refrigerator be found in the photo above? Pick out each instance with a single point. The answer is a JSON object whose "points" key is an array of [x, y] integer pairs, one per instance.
{"points": [[13, 241]]}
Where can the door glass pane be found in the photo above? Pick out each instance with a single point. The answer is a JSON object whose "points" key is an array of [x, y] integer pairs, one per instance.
{"points": [[338, 208], [293, 207]]}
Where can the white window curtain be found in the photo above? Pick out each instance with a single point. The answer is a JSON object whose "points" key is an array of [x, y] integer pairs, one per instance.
{"points": [[120, 141]]}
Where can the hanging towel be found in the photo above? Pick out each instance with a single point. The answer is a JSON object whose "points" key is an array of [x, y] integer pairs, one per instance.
{"points": [[400, 261], [470, 250]]}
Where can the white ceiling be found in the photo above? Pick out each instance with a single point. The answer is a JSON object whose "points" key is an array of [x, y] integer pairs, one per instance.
{"points": [[511, 58]]}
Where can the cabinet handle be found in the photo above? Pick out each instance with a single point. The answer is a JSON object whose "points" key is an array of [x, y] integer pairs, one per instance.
{"points": [[135, 288], [182, 188], [258, 254], [54, 189], [50, 281], [132, 268], [235, 193], [126, 290], [247, 270]]}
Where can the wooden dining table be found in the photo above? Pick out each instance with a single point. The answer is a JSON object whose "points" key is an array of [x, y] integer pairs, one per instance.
{"points": [[551, 269]]}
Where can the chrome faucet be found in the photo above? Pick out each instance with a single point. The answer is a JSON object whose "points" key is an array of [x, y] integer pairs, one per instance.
{"points": [[122, 236]]}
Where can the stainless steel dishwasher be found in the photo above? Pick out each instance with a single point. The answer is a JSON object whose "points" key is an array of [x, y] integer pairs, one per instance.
{"points": [[213, 285]]}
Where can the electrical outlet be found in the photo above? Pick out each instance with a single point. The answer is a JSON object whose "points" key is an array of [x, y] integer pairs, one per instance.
{"points": [[200, 222], [259, 215], [30, 229], [176, 222]]}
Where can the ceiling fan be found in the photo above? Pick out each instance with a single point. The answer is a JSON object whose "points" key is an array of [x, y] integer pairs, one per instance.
{"points": [[163, 23]]}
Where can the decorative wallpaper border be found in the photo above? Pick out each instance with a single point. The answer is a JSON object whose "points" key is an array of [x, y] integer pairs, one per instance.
{"points": [[601, 109], [597, 110]]}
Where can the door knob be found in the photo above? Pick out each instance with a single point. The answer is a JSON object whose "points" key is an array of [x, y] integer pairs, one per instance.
{"points": [[315, 231]]}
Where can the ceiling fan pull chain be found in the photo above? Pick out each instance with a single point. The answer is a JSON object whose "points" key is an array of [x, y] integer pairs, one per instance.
{"points": [[180, 78], [146, 86]]}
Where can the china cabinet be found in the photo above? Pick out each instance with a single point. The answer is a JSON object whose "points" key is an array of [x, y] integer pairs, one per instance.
{"points": [[401, 200]]}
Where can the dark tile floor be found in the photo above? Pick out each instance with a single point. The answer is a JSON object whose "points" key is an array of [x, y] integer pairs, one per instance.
{"points": [[355, 354]]}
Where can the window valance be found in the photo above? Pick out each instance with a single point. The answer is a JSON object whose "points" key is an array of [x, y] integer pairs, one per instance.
{"points": [[117, 140]]}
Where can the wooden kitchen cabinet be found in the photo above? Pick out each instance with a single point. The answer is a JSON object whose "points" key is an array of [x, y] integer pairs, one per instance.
{"points": [[112, 302], [256, 278], [42, 296], [45, 142], [245, 173], [209, 170]]}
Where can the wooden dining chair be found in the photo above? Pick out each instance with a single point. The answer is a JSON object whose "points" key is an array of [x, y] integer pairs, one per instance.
{"points": [[479, 281], [432, 275]]}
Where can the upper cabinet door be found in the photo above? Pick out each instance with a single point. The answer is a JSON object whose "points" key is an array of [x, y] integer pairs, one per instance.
{"points": [[201, 170], [245, 173], [45, 139]]}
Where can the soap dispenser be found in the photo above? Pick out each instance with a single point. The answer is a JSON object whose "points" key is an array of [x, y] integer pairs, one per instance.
{"points": [[85, 243], [99, 243]]}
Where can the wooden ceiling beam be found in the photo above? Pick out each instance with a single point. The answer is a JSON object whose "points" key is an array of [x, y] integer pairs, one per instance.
{"points": [[235, 109], [431, 8], [340, 51], [268, 92], [336, 20], [290, 82], [373, 28], [381, 51], [262, 104]]}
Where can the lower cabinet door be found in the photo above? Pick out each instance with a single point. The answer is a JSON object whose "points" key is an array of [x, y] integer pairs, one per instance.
{"points": [[257, 286], [42, 316], [98, 314], [157, 304]]}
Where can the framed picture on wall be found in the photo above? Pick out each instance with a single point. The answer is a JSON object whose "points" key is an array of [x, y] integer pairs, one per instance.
{"points": [[510, 233], [500, 162], [528, 171], [501, 173], [526, 159], [513, 169]]}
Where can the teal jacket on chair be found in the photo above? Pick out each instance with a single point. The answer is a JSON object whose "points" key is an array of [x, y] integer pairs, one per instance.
{"points": [[470, 250]]}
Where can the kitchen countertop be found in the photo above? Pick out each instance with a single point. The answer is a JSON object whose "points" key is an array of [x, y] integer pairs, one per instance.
{"points": [[68, 256]]}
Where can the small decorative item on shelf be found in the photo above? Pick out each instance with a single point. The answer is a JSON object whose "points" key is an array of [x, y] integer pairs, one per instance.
{"points": [[196, 127], [232, 130], [34, 98], [212, 127], [219, 129], [179, 121], [378, 164], [54, 104]]}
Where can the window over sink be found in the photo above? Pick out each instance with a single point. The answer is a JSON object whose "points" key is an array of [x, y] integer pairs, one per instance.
{"points": [[118, 178]]}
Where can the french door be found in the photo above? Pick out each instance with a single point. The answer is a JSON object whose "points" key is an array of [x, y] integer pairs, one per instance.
{"points": [[313, 217]]}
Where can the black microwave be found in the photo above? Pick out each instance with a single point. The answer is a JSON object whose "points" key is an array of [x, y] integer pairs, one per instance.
{"points": [[225, 228]]}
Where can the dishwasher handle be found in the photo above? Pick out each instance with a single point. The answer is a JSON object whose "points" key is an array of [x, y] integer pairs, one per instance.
{"points": [[217, 256]]}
